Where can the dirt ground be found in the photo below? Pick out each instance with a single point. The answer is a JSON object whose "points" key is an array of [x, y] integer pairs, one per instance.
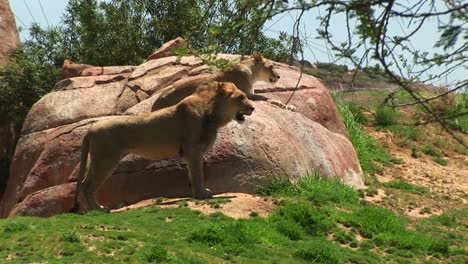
{"points": [[236, 205], [447, 185], [449, 180]]}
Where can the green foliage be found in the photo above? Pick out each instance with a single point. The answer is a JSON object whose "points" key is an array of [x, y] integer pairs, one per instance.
{"points": [[385, 116], [407, 133], [346, 238], [288, 227], [440, 160], [314, 188], [232, 237], [14, 226], [432, 151], [406, 186], [279, 187], [373, 220], [312, 221], [415, 152], [299, 231], [321, 191], [27, 77], [357, 111], [320, 251], [367, 148], [210, 27], [413, 240], [332, 67], [71, 236], [156, 254]]}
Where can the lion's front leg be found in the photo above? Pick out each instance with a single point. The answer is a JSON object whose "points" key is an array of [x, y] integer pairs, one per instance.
{"points": [[258, 97], [194, 161]]}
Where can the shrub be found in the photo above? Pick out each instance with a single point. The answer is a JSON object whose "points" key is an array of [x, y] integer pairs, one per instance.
{"points": [[373, 220], [440, 161], [415, 152], [385, 116], [231, 237], [402, 185], [156, 254], [14, 226], [320, 191], [287, 227], [278, 187], [432, 151], [358, 113], [320, 251], [71, 236], [311, 220]]}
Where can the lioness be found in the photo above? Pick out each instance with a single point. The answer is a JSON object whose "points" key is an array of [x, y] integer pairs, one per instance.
{"points": [[161, 134], [243, 75]]}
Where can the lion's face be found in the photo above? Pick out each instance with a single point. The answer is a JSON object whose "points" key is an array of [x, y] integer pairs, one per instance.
{"points": [[236, 104], [265, 69]]}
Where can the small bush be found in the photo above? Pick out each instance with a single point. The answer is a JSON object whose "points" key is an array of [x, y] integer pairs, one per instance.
{"points": [[156, 254], [311, 220], [402, 185], [332, 67], [432, 151], [440, 161], [415, 152], [448, 220], [385, 116], [411, 240], [232, 237], [407, 133], [71, 236], [373, 220], [14, 226], [358, 113], [287, 227], [345, 237], [320, 251], [321, 191], [278, 187]]}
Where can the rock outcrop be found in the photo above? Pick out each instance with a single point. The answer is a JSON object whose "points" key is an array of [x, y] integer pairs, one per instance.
{"points": [[272, 142]]}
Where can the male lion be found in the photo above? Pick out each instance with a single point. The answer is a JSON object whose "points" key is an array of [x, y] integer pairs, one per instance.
{"points": [[188, 129], [243, 75]]}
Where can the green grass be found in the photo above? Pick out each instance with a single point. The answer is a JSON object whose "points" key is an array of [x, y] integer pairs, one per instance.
{"points": [[371, 155], [406, 186], [440, 161], [318, 222], [432, 151], [385, 116]]}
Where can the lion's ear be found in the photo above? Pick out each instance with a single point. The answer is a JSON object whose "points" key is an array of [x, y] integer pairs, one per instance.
{"points": [[225, 88], [258, 56]]}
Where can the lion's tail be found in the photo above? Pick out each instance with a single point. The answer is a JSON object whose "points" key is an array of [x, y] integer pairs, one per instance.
{"points": [[79, 181]]}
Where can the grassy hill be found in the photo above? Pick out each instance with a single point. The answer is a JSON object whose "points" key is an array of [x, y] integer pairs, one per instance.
{"points": [[317, 221]]}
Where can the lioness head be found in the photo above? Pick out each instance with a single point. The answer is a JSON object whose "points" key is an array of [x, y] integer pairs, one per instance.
{"points": [[265, 69], [235, 104]]}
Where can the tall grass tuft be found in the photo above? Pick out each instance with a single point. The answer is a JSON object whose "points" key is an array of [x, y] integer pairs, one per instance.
{"points": [[385, 116], [368, 150]]}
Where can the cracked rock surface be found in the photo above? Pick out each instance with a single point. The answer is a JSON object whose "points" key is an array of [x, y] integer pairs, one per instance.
{"points": [[272, 142]]}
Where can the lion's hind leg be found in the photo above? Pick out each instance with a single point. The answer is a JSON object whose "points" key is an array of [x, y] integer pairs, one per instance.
{"points": [[100, 168]]}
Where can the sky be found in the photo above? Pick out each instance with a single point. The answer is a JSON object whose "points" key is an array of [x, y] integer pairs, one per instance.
{"points": [[49, 12]]}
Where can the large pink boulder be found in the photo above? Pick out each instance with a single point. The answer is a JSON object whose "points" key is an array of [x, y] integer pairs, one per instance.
{"points": [[272, 142]]}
